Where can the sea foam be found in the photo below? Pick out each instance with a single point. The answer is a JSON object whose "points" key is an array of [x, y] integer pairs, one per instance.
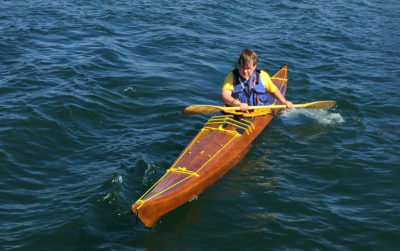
{"points": [[324, 117]]}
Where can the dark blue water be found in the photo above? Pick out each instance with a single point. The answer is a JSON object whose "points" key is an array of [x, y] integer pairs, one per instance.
{"points": [[91, 94]]}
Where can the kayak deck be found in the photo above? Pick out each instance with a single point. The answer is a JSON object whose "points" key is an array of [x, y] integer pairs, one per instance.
{"points": [[221, 143], [190, 165]]}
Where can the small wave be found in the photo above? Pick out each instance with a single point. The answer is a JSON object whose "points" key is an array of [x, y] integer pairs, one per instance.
{"points": [[323, 117], [118, 179], [149, 174], [130, 90]]}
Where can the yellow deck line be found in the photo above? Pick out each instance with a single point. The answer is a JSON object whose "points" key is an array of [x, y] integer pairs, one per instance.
{"points": [[248, 126], [248, 123], [221, 129], [166, 189], [227, 143], [229, 123], [281, 79], [182, 170]]}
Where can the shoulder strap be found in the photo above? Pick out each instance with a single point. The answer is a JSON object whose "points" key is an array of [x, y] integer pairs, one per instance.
{"points": [[236, 75], [257, 77]]}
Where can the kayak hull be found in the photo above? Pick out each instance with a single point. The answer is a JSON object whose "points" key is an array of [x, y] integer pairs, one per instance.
{"points": [[221, 144]]}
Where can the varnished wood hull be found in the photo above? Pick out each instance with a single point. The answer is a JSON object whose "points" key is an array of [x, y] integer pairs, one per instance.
{"points": [[221, 144]]}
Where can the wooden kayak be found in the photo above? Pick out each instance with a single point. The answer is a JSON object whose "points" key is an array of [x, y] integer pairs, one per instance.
{"points": [[221, 143]]}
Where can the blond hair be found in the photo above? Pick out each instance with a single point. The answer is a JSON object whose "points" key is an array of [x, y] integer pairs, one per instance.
{"points": [[247, 57]]}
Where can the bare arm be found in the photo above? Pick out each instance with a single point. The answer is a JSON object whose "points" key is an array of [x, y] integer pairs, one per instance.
{"points": [[277, 94], [226, 96]]}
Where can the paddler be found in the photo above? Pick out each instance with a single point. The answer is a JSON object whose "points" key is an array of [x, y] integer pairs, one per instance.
{"points": [[248, 86]]}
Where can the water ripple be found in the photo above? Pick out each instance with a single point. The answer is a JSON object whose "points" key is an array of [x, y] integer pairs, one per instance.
{"points": [[91, 95]]}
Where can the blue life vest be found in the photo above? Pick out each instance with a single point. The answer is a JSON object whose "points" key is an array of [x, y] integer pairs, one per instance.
{"points": [[252, 91]]}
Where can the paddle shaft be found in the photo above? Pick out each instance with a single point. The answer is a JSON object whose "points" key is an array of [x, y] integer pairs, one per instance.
{"points": [[203, 109], [259, 107]]}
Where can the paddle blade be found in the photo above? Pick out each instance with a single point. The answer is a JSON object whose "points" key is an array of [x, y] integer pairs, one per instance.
{"points": [[201, 109], [326, 104]]}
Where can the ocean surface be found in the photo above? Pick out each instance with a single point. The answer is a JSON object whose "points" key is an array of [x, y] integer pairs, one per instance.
{"points": [[91, 94]]}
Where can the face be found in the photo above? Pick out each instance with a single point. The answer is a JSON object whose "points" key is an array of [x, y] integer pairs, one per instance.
{"points": [[247, 71]]}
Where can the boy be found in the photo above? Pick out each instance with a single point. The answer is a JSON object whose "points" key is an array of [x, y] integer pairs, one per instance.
{"points": [[248, 86]]}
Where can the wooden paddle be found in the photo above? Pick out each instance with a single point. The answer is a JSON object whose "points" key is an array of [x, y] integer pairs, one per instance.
{"points": [[204, 109]]}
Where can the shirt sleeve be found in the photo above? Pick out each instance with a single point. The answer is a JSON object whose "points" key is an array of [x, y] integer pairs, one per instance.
{"points": [[266, 79], [228, 82]]}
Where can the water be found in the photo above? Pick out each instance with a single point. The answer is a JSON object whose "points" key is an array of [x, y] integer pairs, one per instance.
{"points": [[91, 95]]}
